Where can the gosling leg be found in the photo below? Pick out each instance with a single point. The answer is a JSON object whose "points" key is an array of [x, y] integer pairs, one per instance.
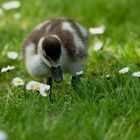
{"points": [[49, 82]]}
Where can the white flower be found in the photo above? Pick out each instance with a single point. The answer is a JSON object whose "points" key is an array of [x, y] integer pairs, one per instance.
{"points": [[97, 30], [8, 68], [17, 16], [42, 88], [124, 70], [98, 46], [79, 73], [136, 74], [37, 86], [3, 135], [12, 55], [17, 81], [11, 5]]}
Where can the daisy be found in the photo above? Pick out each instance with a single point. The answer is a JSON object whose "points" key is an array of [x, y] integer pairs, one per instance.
{"points": [[124, 70], [3, 135], [136, 74], [12, 55], [11, 5], [8, 68], [37, 86], [17, 81], [98, 46], [41, 87], [97, 30]]}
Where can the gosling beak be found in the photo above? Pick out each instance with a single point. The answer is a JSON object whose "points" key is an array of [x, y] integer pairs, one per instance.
{"points": [[57, 75]]}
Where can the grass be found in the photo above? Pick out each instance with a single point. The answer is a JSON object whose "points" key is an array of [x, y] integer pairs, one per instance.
{"points": [[99, 109]]}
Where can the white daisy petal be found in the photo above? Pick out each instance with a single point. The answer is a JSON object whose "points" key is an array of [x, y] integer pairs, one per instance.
{"points": [[17, 81], [3, 135], [30, 85], [12, 55], [124, 70], [4, 70], [43, 94], [8, 68], [136, 74], [98, 46], [44, 87], [11, 5], [97, 30], [47, 87]]}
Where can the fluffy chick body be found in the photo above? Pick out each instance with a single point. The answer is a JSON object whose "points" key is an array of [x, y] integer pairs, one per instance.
{"points": [[74, 41]]}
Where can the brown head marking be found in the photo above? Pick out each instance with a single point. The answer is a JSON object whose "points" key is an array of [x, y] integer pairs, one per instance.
{"points": [[52, 47]]}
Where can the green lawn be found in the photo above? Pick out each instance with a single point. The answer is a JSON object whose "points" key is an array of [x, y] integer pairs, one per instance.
{"points": [[100, 109]]}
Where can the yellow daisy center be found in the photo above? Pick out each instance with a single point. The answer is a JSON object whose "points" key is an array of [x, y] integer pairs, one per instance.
{"points": [[37, 87], [18, 81]]}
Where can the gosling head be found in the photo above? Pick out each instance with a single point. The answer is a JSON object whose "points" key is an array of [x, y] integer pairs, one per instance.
{"points": [[50, 51]]}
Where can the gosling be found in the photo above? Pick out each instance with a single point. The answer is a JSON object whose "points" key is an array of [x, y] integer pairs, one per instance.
{"points": [[55, 47]]}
